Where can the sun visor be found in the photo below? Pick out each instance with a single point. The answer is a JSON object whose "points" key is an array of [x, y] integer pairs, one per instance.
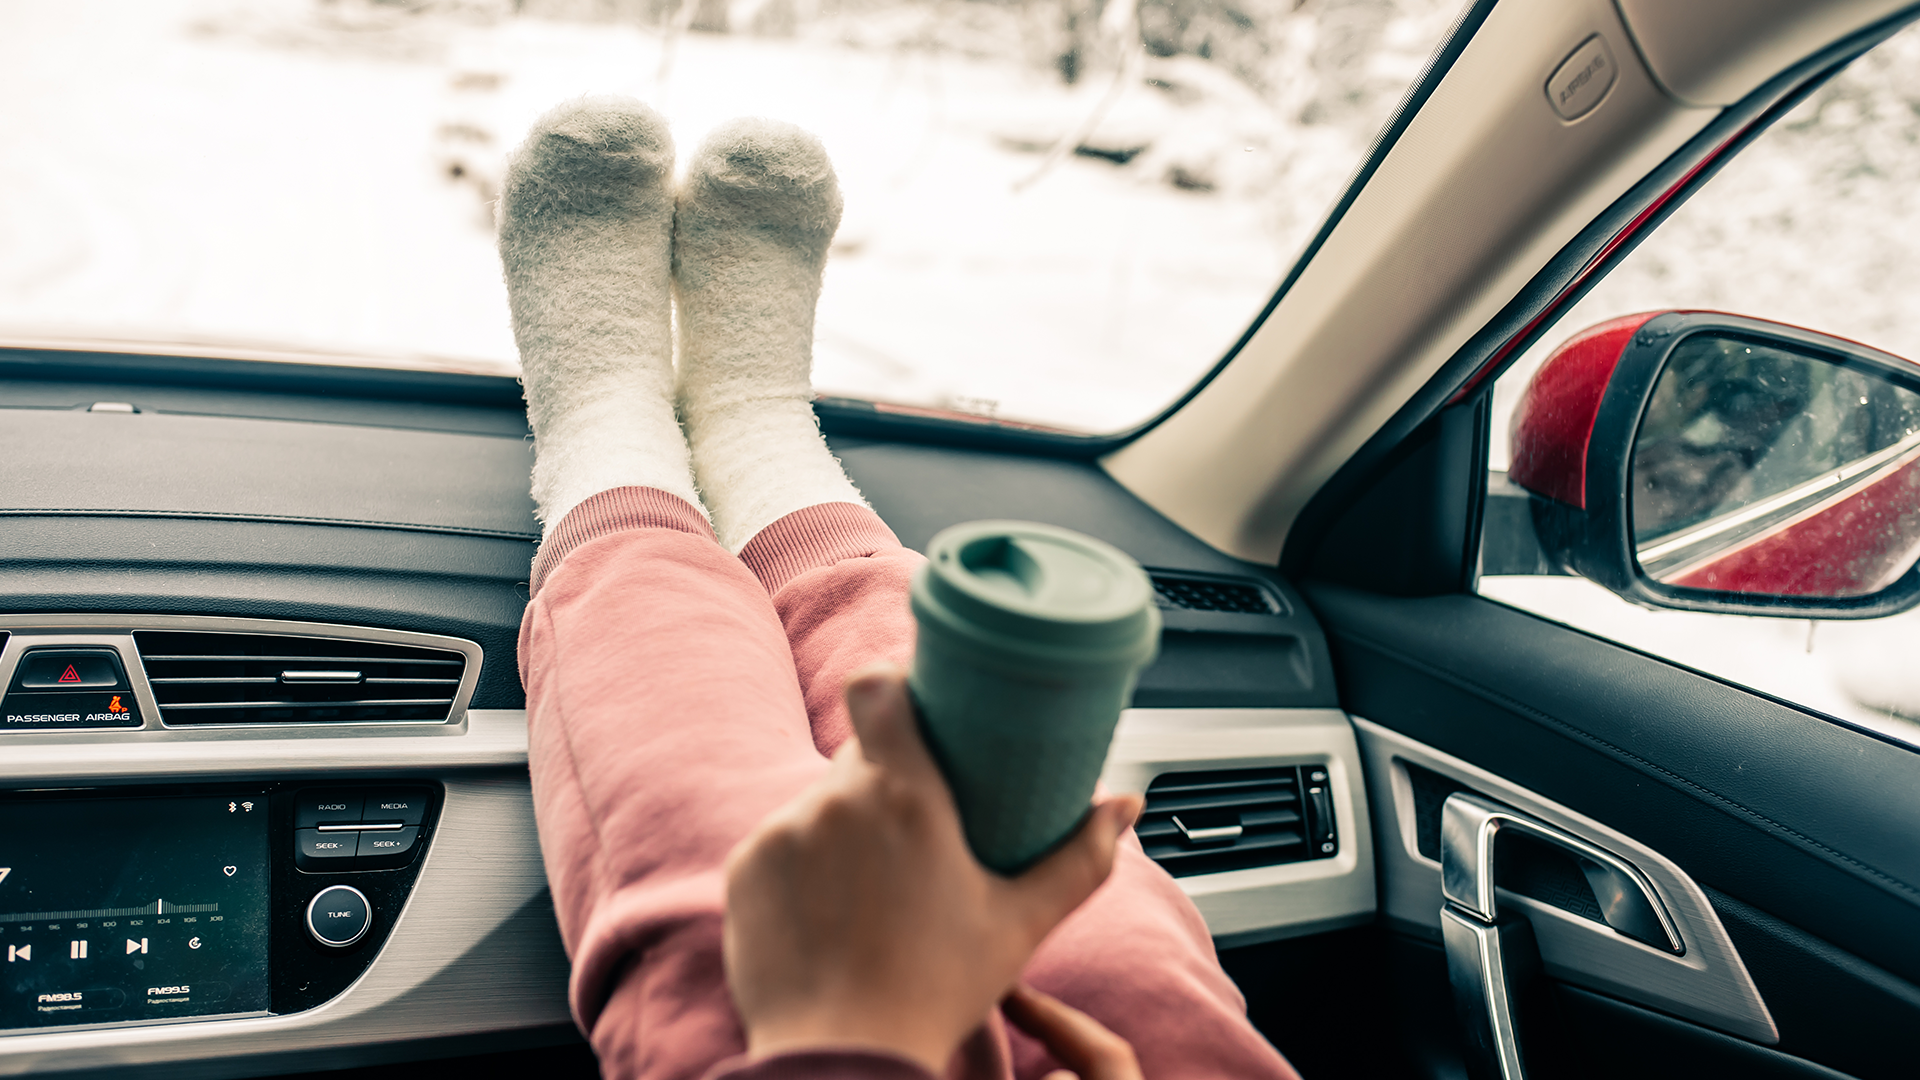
{"points": [[1715, 52]]}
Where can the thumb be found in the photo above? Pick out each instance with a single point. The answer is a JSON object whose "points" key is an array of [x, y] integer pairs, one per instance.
{"points": [[1063, 880], [884, 723]]}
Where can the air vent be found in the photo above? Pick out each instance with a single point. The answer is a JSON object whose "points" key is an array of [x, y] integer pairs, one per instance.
{"points": [[274, 679], [1236, 595], [1233, 819]]}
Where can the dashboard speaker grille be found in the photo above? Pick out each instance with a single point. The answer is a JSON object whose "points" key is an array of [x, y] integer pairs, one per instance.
{"points": [[1214, 594], [1233, 819], [201, 679]]}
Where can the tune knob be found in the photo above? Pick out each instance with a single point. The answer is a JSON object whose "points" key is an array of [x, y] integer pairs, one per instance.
{"points": [[339, 916]]}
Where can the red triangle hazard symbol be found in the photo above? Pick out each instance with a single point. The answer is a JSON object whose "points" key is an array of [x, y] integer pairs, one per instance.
{"points": [[69, 675]]}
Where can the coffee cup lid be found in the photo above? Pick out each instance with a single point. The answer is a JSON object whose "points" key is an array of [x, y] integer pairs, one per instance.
{"points": [[1016, 583]]}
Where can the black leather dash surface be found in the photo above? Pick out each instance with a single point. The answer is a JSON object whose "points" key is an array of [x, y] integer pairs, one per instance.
{"points": [[230, 468], [1784, 809]]}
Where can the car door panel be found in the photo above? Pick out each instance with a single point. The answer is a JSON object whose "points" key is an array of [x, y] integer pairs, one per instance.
{"points": [[1707, 983], [1799, 831]]}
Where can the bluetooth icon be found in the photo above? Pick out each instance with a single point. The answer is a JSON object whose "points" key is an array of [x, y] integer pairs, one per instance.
{"points": [[231, 807]]}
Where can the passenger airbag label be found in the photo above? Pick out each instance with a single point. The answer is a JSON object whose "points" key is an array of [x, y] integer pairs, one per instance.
{"points": [[56, 711]]}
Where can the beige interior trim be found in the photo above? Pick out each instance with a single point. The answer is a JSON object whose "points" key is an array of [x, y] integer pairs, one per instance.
{"points": [[1715, 52], [1483, 188]]}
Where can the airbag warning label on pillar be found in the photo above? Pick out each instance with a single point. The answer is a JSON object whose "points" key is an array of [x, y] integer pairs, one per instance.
{"points": [[67, 711], [1581, 82]]}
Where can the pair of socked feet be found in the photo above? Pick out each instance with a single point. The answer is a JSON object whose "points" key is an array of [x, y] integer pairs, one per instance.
{"points": [[600, 249]]}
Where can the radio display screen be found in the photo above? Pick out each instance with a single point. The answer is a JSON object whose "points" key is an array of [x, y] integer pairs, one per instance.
{"points": [[115, 910]]}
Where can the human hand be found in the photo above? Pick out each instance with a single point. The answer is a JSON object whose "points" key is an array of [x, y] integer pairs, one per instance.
{"points": [[858, 917], [1075, 1039]]}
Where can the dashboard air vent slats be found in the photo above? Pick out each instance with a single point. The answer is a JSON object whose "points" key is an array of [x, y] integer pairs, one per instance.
{"points": [[1238, 596], [271, 678], [1233, 819]]}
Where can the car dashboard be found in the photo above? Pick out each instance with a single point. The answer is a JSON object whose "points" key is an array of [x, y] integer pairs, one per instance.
{"points": [[284, 599]]}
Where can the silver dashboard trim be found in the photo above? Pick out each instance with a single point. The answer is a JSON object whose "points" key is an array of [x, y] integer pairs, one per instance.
{"points": [[116, 632], [1269, 902], [485, 738], [1709, 984]]}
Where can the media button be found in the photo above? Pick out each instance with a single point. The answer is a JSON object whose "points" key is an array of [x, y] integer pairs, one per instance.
{"points": [[387, 850], [339, 916], [326, 806], [408, 806], [323, 852]]}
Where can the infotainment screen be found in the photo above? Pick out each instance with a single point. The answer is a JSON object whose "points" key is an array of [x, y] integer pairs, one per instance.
{"points": [[129, 909]]}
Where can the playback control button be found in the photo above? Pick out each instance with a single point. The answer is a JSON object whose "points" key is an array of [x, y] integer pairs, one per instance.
{"points": [[339, 916]]}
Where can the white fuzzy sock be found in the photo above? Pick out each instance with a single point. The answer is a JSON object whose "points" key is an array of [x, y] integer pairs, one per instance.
{"points": [[586, 236], [758, 208]]}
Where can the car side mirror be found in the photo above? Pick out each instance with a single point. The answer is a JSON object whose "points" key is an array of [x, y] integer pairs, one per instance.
{"points": [[1710, 462]]}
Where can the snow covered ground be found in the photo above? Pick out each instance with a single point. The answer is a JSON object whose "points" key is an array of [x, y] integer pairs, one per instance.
{"points": [[317, 172]]}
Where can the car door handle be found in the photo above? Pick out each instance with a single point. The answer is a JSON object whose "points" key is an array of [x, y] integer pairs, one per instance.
{"points": [[1491, 955]]}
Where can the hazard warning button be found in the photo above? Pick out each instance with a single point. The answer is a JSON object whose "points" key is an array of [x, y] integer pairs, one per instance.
{"points": [[70, 669]]}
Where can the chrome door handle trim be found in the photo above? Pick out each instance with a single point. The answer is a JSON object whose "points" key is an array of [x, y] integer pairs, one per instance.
{"points": [[1486, 964], [1469, 824], [1491, 958]]}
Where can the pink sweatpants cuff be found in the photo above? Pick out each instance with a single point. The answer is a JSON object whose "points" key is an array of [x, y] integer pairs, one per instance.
{"points": [[817, 536], [611, 511]]}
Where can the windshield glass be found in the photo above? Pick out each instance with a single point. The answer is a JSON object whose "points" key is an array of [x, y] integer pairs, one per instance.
{"points": [[1057, 211]]}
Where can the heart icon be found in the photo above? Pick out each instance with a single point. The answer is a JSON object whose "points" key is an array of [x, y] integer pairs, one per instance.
{"points": [[229, 870]]}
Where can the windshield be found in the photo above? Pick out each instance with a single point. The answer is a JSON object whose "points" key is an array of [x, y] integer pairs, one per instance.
{"points": [[1057, 211]]}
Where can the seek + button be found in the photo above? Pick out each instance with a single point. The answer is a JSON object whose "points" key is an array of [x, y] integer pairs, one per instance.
{"points": [[387, 850], [70, 669]]}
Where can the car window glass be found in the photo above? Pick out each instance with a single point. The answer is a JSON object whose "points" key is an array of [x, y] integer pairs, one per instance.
{"points": [[1057, 211], [1812, 226]]}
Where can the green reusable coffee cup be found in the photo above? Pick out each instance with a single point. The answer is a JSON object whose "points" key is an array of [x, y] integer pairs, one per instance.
{"points": [[1031, 639]]}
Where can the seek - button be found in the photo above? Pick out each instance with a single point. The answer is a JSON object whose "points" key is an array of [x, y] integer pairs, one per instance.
{"points": [[324, 852], [70, 669]]}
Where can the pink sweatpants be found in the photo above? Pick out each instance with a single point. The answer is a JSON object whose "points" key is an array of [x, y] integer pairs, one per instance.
{"points": [[676, 694]]}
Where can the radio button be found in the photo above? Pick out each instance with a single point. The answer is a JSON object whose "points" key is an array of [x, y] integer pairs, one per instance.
{"points": [[408, 806], [323, 852], [339, 916], [327, 806], [387, 850]]}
